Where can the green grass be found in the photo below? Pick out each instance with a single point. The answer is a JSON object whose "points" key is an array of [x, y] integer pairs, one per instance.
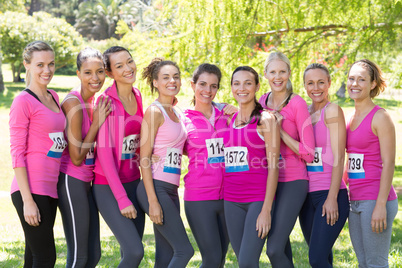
{"points": [[12, 239]]}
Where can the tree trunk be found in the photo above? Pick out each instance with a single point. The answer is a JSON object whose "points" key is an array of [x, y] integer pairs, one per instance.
{"points": [[35, 6], [1, 76]]}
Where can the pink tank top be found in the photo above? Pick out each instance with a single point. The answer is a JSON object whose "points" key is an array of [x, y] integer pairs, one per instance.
{"points": [[246, 168], [364, 161], [320, 171], [83, 172], [169, 142]]}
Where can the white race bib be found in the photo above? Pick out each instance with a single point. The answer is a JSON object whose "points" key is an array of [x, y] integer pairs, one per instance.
{"points": [[90, 157], [316, 166], [130, 145], [215, 149], [355, 166], [236, 159], [59, 144], [173, 161]]}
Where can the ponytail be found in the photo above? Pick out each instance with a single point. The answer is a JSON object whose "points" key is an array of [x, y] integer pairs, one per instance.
{"points": [[150, 73]]}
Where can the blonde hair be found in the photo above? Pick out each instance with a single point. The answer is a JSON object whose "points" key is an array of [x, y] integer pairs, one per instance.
{"points": [[282, 57], [375, 75], [28, 54]]}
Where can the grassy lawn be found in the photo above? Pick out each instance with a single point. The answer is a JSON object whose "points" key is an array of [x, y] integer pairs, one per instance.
{"points": [[12, 239]]}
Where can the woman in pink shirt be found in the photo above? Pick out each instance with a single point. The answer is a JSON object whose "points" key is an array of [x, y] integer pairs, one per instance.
{"points": [[297, 148], [117, 173], [76, 203], [251, 170], [37, 143], [326, 208], [163, 134], [203, 192], [371, 162]]}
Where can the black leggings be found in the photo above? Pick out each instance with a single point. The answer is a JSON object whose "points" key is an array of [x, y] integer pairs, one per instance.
{"points": [[289, 200], [40, 250], [241, 221], [128, 232], [172, 247], [319, 235], [207, 222], [80, 221]]}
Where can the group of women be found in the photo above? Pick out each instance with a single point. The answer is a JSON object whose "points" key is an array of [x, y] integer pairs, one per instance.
{"points": [[252, 170]]}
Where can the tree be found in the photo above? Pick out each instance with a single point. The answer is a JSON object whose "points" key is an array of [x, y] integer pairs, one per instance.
{"points": [[232, 33], [18, 29], [7, 5], [98, 19]]}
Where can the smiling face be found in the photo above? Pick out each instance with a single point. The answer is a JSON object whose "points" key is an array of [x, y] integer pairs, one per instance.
{"points": [[168, 82], [205, 88], [359, 83], [244, 87], [123, 68], [317, 83], [277, 73], [92, 75], [41, 68]]}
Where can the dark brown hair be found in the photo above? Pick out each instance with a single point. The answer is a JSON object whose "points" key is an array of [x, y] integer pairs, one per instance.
{"points": [[150, 73], [110, 51], [206, 68]]}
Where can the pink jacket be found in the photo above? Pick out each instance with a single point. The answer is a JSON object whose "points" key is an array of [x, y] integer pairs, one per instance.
{"points": [[204, 180], [109, 146], [297, 123]]}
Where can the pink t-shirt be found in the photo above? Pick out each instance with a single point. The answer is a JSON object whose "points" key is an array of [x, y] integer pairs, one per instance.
{"points": [[364, 161], [204, 147], [246, 168], [37, 142], [297, 123], [113, 146], [168, 145], [320, 171], [84, 171]]}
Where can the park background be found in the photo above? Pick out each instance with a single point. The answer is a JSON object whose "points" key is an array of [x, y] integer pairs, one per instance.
{"points": [[228, 33]]}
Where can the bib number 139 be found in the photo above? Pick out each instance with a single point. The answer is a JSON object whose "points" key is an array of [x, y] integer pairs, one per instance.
{"points": [[236, 159], [316, 166], [355, 166]]}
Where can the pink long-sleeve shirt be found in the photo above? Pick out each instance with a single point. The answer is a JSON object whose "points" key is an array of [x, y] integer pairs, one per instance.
{"points": [[37, 142], [297, 123], [109, 145]]}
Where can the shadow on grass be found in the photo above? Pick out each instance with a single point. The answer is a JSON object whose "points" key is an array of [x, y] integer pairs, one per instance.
{"points": [[12, 89]]}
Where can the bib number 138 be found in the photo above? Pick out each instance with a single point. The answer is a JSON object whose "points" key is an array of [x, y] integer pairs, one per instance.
{"points": [[59, 144], [236, 159]]}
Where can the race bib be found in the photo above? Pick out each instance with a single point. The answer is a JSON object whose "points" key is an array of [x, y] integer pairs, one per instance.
{"points": [[90, 157], [173, 161], [59, 144], [130, 145], [215, 149], [355, 166], [316, 166], [236, 159]]}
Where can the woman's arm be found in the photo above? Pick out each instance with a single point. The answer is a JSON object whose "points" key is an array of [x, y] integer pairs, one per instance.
{"points": [[270, 132], [20, 113], [153, 119], [384, 128], [77, 147], [335, 121], [306, 146]]}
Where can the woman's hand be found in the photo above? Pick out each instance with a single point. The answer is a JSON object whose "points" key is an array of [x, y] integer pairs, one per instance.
{"points": [[379, 219], [156, 213], [102, 110], [129, 212], [330, 208], [263, 224], [230, 110], [31, 213]]}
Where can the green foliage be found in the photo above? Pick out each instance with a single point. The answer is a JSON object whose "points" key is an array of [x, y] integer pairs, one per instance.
{"points": [[11, 5], [18, 29], [232, 33]]}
